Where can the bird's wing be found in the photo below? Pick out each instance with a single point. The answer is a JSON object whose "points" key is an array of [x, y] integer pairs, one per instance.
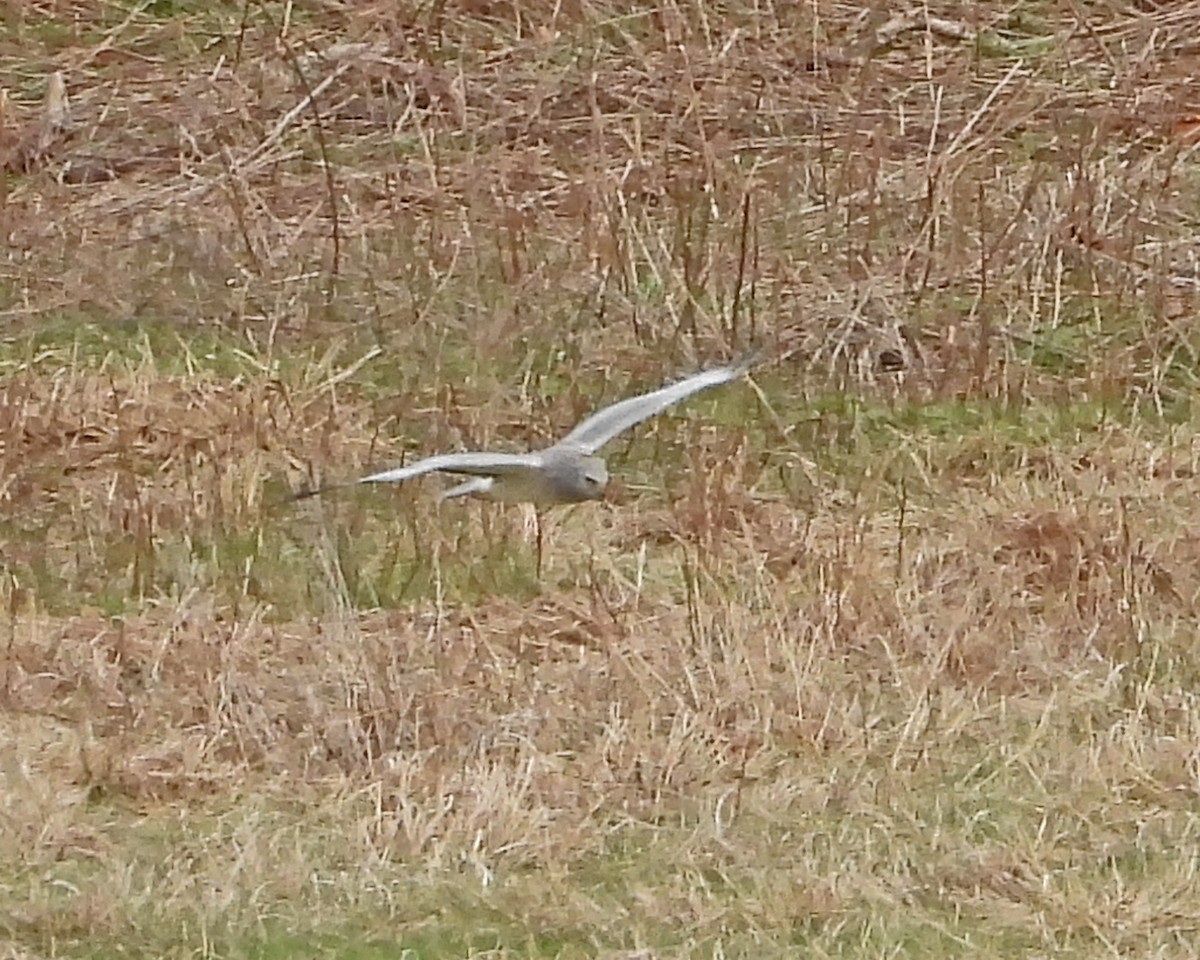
{"points": [[480, 485], [472, 464], [605, 424]]}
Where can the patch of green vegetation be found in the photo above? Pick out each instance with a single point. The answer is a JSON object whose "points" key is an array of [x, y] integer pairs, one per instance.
{"points": [[84, 343], [387, 564], [51, 34], [177, 9], [991, 43], [369, 939], [1059, 350], [279, 561], [846, 434], [165, 348]]}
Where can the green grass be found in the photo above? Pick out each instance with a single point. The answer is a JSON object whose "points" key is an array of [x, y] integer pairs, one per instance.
{"points": [[867, 659]]}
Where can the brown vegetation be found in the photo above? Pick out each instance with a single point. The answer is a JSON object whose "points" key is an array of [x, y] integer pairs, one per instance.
{"points": [[890, 651]]}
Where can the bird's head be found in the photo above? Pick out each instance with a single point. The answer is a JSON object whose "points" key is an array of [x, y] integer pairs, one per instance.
{"points": [[593, 478]]}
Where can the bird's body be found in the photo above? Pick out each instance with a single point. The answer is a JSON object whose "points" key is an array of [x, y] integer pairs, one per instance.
{"points": [[568, 471]]}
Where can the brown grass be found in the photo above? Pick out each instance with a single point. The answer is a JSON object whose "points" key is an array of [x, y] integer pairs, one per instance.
{"points": [[890, 651]]}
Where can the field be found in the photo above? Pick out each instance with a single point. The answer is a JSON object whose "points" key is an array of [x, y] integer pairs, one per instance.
{"points": [[887, 650]]}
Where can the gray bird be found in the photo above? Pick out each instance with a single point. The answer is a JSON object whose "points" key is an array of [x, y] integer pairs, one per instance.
{"points": [[568, 471]]}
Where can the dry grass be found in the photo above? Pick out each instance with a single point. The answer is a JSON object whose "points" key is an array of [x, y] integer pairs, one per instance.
{"points": [[891, 652]]}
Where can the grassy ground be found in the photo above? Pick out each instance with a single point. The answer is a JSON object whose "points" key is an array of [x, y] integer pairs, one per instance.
{"points": [[889, 651]]}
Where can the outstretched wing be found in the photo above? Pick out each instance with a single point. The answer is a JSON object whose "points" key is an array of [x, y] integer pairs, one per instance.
{"points": [[471, 464], [605, 424]]}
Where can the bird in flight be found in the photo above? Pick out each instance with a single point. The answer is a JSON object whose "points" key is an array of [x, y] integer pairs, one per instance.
{"points": [[567, 472]]}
